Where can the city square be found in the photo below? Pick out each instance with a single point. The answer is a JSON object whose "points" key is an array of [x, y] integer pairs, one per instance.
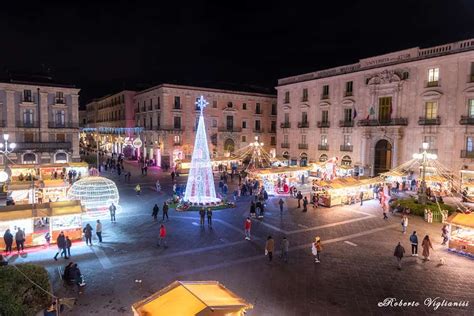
{"points": [[237, 159]]}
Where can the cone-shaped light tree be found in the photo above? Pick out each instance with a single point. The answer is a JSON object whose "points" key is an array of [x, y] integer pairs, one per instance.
{"points": [[200, 187]]}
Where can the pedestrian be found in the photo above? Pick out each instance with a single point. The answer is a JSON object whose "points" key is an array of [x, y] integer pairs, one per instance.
{"points": [[269, 248], [98, 230], [209, 217], [305, 204], [253, 209], [248, 225], [281, 206], [8, 239], [88, 234], [314, 251], [61, 243], [299, 196], [155, 212], [285, 245], [414, 244], [172, 175], [398, 253], [361, 196], [384, 212], [319, 248], [426, 245], [20, 240], [68, 246], [315, 200], [445, 234], [165, 211], [162, 238], [112, 209], [404, 223], [202, 214], [47, 238], [157, 186], [138, 189]]}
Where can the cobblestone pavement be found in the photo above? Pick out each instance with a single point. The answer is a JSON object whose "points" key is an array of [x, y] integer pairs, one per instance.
{"points": [[357, 269]]}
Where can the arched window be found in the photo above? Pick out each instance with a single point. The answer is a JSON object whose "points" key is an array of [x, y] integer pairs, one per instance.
{"points": [[303, 159], [60, 157], [29, 158], [323, 158], [286, 155], [346, 161]]}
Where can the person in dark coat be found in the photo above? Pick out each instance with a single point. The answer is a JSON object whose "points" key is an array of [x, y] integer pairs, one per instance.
{"points": [[20, 240], [209, 217], [252, 208], [165, 211], [299, 196], [305, 204], [67, 272], [88, 234], [156, 209], [68, 246], [61, 242], [8, 239], [202, 213], [398, 253]]}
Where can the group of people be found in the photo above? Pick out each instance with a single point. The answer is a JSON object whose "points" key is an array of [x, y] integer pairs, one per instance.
{"points": [[156, 211], [64, 246], [202, 215], [19, 238], [73, 274], [426, 245], [316, 246]]}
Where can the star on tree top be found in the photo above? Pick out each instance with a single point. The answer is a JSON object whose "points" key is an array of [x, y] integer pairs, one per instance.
{"points": [[201, 103]]}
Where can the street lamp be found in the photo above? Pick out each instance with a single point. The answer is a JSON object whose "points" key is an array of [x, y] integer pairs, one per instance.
{"points": [[424, 157], [5, 149]]}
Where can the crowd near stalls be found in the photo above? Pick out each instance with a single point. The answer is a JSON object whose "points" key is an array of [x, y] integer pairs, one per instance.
{"points": [[42, 183], [407, 181], [42, 223], [280, 180], [467, 183], [461, 239]]}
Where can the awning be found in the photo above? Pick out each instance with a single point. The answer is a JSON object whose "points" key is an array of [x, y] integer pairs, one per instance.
{"points": [[55, 183], [192, 298], [22, 211], [465, 220]]}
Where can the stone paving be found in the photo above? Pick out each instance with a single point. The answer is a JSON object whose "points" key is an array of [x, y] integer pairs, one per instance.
{"points": [[357, 271]]}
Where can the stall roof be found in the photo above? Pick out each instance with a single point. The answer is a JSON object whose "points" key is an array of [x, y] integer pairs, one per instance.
{"points": [[191, 298], [466, 220], [21, 185], [55, 183], [21, 211], [65, 208], [6, 215], [78, 164], [436, 178], [347, 182], [393, 173], [20, 166], [278, 170]]}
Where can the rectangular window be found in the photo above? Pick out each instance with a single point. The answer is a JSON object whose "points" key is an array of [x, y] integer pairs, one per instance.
{"points": [[244, 139], [59, 97], [324, 140], [287, 117], [325, 116], [27, 96], [470, 144], [214, 104], [305, 95], [177, 139], [230, 122], [177, 122], [59, 118], [158, 103], [151, 122], [304, 117], [274, 109], [244, 124], [325, 93], [257, 125], [244, 106], [214, 123], [230, 104], [273, 126], [349, 88], [470, 108], [28, 117], [385, 109], [347, 115], [177, 102], [287, 96], [258, 109], [158, 121], [347, 140], [303, 139], [433, 75], [431, 140], [285, 139], [431, 110]]}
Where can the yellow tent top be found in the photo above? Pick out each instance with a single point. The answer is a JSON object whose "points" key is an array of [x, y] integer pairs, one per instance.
{"points": [[466, 220], [55, 183], [192, 298], [78, 164], [393, 173], [277, 170], [22, 211]]}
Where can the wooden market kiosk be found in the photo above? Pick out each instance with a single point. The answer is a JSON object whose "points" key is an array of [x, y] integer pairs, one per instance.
{"points": [[38, 219], [279, 180], [192, 298], [462, 233], [345, 191]]}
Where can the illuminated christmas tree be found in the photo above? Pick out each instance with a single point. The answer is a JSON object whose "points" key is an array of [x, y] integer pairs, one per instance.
{"points": [[200, 187]]}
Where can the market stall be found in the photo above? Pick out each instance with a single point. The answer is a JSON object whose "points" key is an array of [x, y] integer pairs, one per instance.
{"points": [[22, 192], [23, 172], [192, 298], [38, 219], [279, 181], [53, 191], [81, 169], [52, 171], [344, 190], [330, 169], [462, 234]]}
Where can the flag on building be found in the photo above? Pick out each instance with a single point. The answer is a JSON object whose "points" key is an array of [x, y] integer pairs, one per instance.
{"points": [[371, 112]]}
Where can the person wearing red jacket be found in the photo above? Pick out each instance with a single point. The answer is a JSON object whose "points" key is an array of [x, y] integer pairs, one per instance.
{"points": [[162, 239], [248, 225]]}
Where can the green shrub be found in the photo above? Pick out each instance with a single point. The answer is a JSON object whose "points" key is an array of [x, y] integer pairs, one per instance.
{"points": [[419, 209], [18, 296]]}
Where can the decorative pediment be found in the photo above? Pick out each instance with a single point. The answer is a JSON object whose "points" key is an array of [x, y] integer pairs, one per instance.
{"points": [[469, 90], [286, 108], [227, 110], [304, 106], [384, 77], [324, 103], [431, 95], [348, 102]]}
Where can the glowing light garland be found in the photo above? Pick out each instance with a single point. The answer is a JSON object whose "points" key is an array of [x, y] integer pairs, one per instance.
{"points": [[94, 192], [200, 186]]}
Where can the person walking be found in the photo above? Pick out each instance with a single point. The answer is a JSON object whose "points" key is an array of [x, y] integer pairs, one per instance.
{"points": [[68, 246], [172, 175], [281, 203], [299, 196], [209, 217], [314, 251], [315, 199], [112, 210], [285, 245], [20, 240], [61, 243], [445, 234], [138, 189], [88, 234], [253, 209], [248, 226], [202, 214], [269, 248], [319, 248], [361, 197], [8, 239], [414, 244], [384, 210], [404, 223], [98, 230], [305, 204], [398, 253], [426, 245], [165, 211], [162, 238], [155, 212]]}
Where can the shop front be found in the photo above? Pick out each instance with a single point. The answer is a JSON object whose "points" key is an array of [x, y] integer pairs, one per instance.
{"points": [[461, 240], [344, 191], [279, 181]]}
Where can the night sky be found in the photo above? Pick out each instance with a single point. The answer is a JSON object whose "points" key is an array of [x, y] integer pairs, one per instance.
{"points": [[104, 47]]}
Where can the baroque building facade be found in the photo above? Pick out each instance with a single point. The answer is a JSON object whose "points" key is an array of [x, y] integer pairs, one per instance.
{"points": [[375, 114], [42, 119]]}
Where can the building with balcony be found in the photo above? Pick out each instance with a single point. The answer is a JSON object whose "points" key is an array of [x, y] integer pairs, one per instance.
{"points": [[168, 114], [42, 118], [374, 114]]}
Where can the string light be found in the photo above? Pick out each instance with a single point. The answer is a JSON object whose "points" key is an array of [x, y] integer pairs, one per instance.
{"points": [[94, 192]]}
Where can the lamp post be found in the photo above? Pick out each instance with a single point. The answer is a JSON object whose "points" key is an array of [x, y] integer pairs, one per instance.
{"points": [[424, 157], [5, 149]]}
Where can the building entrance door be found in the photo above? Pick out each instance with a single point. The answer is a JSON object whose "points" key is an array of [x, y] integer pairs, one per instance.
{"points": [[383, 157]]}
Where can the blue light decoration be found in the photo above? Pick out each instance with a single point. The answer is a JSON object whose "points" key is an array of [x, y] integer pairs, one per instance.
{"points": [[200, 186]]}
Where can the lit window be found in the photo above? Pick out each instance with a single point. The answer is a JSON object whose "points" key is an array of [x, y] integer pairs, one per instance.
{"points": [[469, 144], [431, 110], [433, 75], [471, 108], [324, 140]]}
